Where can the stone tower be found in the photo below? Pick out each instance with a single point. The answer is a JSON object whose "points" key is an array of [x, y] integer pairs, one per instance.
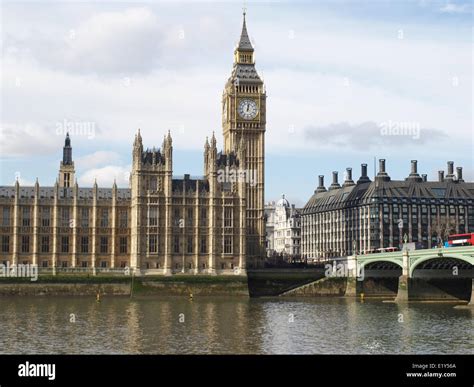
{"points": [[244, 118], [66, 168]]}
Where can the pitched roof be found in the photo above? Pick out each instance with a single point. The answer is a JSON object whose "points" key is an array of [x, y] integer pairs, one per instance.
{"points": [[390, 191], [244, 42]]}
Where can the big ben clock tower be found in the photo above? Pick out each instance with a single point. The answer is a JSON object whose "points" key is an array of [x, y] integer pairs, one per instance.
{"points": [[243, 121]]}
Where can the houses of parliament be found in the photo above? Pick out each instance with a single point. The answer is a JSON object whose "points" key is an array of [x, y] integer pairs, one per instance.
{"points": [[160, 224]]}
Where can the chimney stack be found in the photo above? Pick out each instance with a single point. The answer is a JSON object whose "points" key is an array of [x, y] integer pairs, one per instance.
{"points": [[348, 182], [424, 177], [321, 187], [382, 165], [335, 184], [382, 175], [450, 167], [363, 174], [459, 174], [450, 175], [440, 176], [414, 176]]}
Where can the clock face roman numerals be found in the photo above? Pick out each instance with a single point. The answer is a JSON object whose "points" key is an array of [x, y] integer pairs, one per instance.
{"points": [[247, 109]]}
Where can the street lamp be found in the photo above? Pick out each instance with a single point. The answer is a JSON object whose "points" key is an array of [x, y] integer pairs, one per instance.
{"points": [[400, 228], [354, 251], [181, 224]]}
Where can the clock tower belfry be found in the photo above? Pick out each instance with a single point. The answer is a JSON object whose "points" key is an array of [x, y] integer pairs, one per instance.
{"points": [[243, 122]]}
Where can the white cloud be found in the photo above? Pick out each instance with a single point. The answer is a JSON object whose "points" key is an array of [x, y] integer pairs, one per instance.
{"points": [[17, 140], [290, 109], [96, 159], [107, 42], [153, 102], [455, 8], [119, 43], [105, 176], [369, 135]]}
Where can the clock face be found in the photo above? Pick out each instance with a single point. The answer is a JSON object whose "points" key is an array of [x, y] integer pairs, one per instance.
{"points": [[248, 109]]}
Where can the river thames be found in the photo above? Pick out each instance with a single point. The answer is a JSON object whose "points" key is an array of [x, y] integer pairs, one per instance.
{"points": [[75, 325]]}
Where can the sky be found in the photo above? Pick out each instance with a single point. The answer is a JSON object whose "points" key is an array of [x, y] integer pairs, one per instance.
{"points": [[347, 83]]}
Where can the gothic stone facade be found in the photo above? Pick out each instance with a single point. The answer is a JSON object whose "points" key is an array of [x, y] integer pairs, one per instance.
{"points": [[364, 216], [213, 224]]}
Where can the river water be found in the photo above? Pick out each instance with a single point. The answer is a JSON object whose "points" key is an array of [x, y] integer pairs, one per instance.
{"points": [[79, 325]]}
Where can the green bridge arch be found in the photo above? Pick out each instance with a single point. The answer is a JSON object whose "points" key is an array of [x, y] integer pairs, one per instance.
{"points": [[418, 260], [397, 261]]}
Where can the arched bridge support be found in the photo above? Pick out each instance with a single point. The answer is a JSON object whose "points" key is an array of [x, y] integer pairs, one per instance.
{"points": [[351, 282], [442, 277], [403, 280], [471, 302]]}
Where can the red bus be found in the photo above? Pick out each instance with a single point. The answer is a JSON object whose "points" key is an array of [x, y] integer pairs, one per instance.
{"points": [[461, 240]]}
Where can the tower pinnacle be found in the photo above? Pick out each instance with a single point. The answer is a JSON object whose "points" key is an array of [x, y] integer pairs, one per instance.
{"points": [[67, 151], [244, 42], [66, 167]]}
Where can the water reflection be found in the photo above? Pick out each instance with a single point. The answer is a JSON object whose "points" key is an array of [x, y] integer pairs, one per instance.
{"points": [[223, 325]]}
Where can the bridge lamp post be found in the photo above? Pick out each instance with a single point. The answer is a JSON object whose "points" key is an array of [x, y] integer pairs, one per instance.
{"points": [[400, 227], [405, 239], [181, 224], [354, 246]]}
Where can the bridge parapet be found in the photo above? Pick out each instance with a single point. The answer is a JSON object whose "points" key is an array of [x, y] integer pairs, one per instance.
{"points": [[415, 257]]}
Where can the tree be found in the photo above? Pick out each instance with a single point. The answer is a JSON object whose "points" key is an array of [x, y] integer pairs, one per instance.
{"points": [[442, 229]]}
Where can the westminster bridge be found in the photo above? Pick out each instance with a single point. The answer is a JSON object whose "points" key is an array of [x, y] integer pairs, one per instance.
{"points": [[438, 274]]}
